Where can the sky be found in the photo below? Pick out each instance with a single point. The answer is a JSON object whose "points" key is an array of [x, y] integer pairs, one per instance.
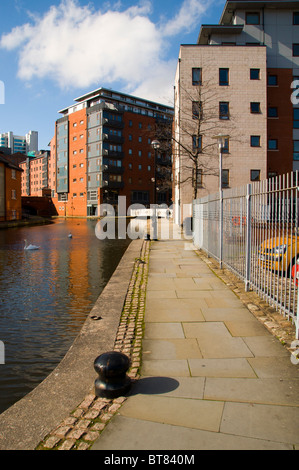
{"points": [[53, 51]]}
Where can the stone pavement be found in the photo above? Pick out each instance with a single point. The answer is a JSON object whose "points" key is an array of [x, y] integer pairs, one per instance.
{"points": [[212, 376]]}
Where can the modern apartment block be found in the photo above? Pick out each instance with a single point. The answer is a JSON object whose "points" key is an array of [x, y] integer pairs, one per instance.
{"points": [[103, 150], [20, 144], [243, 71], [35, 176]]}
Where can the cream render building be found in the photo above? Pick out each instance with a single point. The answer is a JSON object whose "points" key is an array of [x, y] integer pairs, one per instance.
{"points": [[247, 67], [229, 83]]}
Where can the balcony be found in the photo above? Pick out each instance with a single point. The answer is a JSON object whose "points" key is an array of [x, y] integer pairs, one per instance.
{"points": [[111, 169], [112, 184], [115, 139], [113, 123], [113, 154]]}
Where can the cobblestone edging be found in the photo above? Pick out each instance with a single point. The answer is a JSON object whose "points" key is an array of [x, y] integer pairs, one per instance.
{"points": [[84, 425]]}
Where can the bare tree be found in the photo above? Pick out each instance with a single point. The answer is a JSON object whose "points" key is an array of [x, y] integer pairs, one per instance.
{"points": [[199, 116]]}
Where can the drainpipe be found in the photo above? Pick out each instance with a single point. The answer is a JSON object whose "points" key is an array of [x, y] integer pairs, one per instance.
{"points": [[263, 24]]}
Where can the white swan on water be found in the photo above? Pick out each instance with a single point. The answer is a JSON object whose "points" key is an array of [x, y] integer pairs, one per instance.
{"points": [[30, 247]]}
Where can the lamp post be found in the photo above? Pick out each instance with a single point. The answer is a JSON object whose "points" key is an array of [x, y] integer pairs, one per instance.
{"points": [[156, 146], [221, 138]]}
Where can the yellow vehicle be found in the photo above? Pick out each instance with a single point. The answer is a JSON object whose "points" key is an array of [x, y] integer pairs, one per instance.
{"points": [[280, 253]]}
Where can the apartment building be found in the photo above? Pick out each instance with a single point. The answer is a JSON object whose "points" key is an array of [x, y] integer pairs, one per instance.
{"points": [[103, 150], [20, 144], [35, 176], [245, 67], [10, 190]]}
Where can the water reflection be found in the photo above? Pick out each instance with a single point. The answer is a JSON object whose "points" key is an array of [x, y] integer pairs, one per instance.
{"points": [[45, 296]]}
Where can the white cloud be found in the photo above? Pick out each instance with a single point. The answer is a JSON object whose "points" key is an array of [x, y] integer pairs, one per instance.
{"points": [[77, 46], [187, 18]]}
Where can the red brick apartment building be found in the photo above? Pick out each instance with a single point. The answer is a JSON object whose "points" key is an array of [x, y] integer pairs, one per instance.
{"points": [[250, 60], [10, 190], [103, 149]]}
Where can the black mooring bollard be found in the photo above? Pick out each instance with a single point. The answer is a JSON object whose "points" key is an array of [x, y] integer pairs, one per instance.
{"points": [[113, 381]]}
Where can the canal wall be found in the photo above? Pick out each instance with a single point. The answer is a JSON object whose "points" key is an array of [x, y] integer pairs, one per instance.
{"points": [[27, 422]]}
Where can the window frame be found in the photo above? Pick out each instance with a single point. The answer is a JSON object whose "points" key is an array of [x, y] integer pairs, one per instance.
{"points": [[276, 144], [225, 181], [252, 111], [252, 14], [255, 137], [224, 116], [194, 81], [255, 70], [294, 16], [295, 46], [258, 178], [224, 82], [273, 109]]}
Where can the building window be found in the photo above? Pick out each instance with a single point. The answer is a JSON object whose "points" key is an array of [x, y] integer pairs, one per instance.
{"points": [[296, 18], [254, 74], [196, 143], [296, 150], [225, 148], [196, 109], [225, 178], [295, 50], [255, 107], [255, 175], [196, 76], [223, 110], [199, 178], [296, 118], [272, 80], [253, 18], [223, 77], [13, 194], [139, 167], [255, 141], [13, 174], [272, 112], [272, 144]]}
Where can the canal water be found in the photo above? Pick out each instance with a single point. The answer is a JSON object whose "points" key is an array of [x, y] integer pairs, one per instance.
{"points": [[45, 296]]}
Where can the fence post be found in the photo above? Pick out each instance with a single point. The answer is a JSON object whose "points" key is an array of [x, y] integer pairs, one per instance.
{"points": [[248, 237], [221, 229]]}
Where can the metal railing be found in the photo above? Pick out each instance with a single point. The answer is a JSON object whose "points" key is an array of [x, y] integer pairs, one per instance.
{"points": [[253, 231]]}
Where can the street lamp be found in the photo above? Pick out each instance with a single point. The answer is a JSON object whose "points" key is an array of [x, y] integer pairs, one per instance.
{"points": [[156, 146], [221, 138]]}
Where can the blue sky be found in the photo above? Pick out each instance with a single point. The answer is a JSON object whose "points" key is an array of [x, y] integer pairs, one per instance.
{"points": [[53, 51]]}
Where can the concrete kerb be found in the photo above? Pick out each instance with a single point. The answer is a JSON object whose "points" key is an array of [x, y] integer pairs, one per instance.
{"points": [[24, 425]]}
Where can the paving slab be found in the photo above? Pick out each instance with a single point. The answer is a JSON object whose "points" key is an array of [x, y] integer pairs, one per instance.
{"points": [[212, 376], [275, 423], [270, 391], [195, 414], [221, 368], [181, 348], [135, 434], [182, 387]]}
